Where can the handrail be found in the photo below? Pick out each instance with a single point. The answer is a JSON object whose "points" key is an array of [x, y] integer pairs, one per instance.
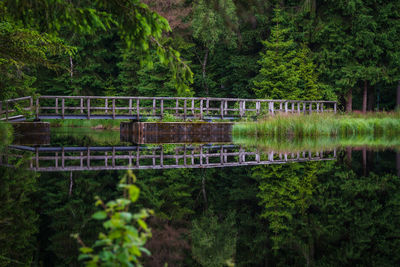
{"points": [[141, 107]]}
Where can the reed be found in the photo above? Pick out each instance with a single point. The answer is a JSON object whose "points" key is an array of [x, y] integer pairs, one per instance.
{"points": [[322, 143], [317, 125], [6, 132]]}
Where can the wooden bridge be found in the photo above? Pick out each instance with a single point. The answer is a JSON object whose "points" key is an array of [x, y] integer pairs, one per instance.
{"points": [[140, 108], [48, 159]]}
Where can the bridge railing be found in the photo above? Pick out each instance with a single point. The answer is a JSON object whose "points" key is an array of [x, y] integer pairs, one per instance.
{"points": [[104, 107], [17, 108], [152, 157]]}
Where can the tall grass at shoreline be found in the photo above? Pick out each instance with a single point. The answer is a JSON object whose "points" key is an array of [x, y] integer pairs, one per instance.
{"points": [[299, 126], [6, 132], [95, 123], [318, 143]]}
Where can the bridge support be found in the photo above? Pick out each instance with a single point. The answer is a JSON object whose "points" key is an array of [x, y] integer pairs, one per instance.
{"points": [[31, 133], [175, 132]]}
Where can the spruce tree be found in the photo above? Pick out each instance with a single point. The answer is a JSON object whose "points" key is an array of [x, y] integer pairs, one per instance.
{"points": [[287, 72]]}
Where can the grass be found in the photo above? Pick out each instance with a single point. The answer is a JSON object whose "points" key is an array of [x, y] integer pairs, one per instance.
{"points": [[85, 137], [318, 143], [316, 125], [95, 124], [5, 134]]}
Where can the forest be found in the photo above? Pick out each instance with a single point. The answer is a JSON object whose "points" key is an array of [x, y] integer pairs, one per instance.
{"points": [[318, 213], [332, 50]]}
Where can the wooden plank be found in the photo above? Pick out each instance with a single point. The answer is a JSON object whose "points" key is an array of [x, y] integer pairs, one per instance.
{"points": [[222, 109], [193, 107], [56, 105], [113, 108], [62, 108], [137, 109], [37, 108], [162, 108], [81, 100], [184, 109], [88, 108], [201, 109]]}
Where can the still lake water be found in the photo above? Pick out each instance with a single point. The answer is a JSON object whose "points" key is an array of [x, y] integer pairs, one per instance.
{"points": [[250, 205]]}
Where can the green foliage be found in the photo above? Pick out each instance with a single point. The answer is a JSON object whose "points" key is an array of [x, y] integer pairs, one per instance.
{"points": [[299, 126], [287, 72], [126, 232], [209, 24], [18, 216], [22, 49], [214, 240]]}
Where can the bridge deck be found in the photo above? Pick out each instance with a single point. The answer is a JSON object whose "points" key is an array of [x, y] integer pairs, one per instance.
{"points": [[138, 108]]}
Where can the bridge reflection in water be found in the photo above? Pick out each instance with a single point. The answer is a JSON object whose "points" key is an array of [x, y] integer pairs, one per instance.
{"points": [[167, 156]]}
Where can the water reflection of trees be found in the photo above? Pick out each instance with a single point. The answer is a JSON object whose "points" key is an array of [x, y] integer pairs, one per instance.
{"points": [[18, 218], [327, 214]]}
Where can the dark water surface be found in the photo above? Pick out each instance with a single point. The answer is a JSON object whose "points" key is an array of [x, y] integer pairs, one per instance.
{"points": [[249, 205]]}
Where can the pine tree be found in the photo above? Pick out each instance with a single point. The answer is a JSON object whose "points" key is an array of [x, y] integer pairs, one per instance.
{"points": [[287, 72]]}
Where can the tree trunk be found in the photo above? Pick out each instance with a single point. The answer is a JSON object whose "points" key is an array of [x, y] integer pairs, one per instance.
{"points": [[365, 95], [371, 99], [349, 101], [398, 95], [203, 67]]}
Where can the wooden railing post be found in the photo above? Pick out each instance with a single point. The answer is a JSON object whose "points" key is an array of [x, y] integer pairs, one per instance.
{"points": [[292, 107], [240, 108], [81, 105], [318, 107], [334, 107], [271, 108], [30, 104], [113, 108], [130, 106], [258, 107], [106, 105], [184, 109], [222, 109], [137, 109], [201, 109], [176, 107], [88, 107], [62, 108], [207, 105], [304, 107], [154, 107], [56, 105], [37, 108], [162, 108], [298, 107], [280, 107], [310, 108], [286, 107], [193, 107]]}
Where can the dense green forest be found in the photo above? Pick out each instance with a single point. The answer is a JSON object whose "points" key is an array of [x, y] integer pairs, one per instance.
{"points": [[333, 50], [324, 213]]}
